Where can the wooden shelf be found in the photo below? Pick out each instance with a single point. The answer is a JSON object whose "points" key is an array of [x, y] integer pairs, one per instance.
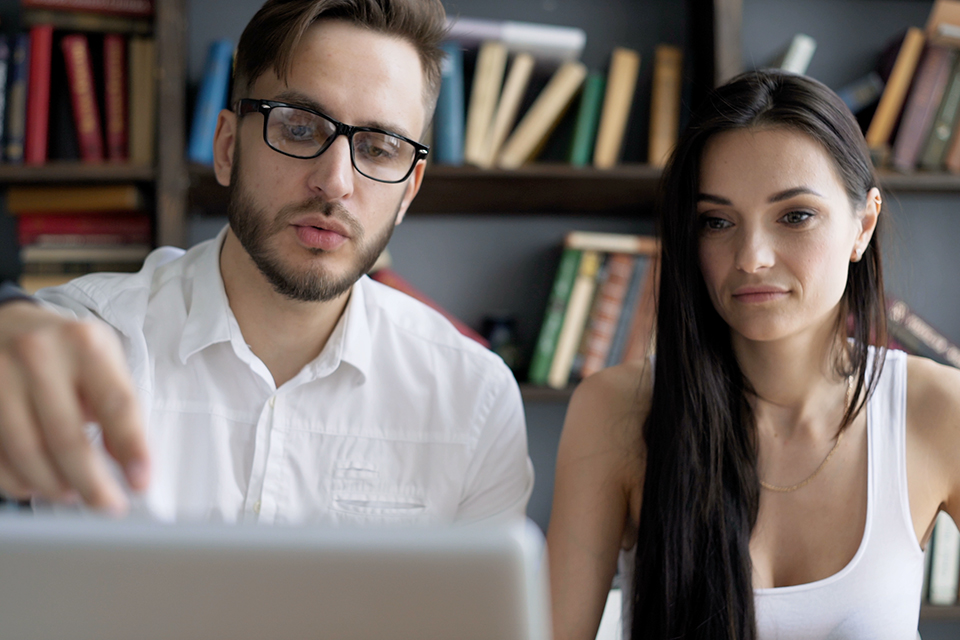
{"points": [[920, 182], [536, 393], [74, 172], [938, 612]]}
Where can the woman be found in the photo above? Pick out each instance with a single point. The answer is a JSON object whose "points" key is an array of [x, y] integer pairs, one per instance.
{"points": [[769, 475]]}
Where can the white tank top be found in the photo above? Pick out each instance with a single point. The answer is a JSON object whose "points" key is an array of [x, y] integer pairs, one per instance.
{"points": [[877, 595]]}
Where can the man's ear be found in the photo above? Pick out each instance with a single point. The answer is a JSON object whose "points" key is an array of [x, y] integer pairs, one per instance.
{"points": [[412, 188], [224, 144]]}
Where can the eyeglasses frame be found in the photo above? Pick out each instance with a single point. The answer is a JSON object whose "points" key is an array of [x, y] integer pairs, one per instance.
{"points": [[244, 106]]}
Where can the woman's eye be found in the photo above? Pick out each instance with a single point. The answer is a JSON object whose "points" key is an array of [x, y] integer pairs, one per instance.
{"points": [[711, 223], [797, 217]]}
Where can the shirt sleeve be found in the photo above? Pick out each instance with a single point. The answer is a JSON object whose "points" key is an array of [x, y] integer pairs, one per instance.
{"points": [[500, 477]]}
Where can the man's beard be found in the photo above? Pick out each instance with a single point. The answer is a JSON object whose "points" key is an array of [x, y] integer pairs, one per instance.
{"points": [[254, 228]]}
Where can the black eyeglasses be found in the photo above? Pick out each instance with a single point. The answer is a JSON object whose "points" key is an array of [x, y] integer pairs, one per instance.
{"points": [[300, 132]]}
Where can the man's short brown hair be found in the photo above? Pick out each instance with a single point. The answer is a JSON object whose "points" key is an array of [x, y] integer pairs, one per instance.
{"points": [[274, 32]]}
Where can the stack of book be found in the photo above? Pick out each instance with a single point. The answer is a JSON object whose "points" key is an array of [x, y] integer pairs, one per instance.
{"points": [[78, 84], [526, 79], [601, 309], [64, 231], [909, 105]]}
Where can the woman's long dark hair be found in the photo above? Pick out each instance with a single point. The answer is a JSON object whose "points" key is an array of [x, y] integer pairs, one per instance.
{"points": [[701, 493]]}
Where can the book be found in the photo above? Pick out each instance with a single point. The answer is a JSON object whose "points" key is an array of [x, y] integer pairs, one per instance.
{"points": [[588, 119], [944, 561], [17, 99], [895, 91], [508, 106], [84, 228], [142, 99], [932, 76], [630, 304], [917, 336], [90, 22], [28, 200], [38, 94], [610, 305], [35, 253], [951, 159], [390, 278], [86, 113], [935, 149], [545, 42], [211, 98], [4, 68], [943, 23], [448, 119], [603, 272], [862, 92], [553, 317], [642, 334], [487, 82], [574, 319], [115, 96], [799, 53], [63, 143], [142, 8], [611, 242], [665, 103], [617, 101], [543, 115]]}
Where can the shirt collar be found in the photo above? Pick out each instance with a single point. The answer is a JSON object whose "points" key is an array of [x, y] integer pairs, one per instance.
{"points": [[208, 319]]}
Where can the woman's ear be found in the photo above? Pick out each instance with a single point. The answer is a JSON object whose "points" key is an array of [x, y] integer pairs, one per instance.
{"points": [[868, 218]]}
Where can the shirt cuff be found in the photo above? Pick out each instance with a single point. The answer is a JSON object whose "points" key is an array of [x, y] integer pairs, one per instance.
{"points": [[10, 292]]}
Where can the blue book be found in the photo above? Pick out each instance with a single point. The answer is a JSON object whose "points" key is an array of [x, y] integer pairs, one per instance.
{"points": [[449, 116], [4, 67], [211, 98], [17, 99], [619, 343]]}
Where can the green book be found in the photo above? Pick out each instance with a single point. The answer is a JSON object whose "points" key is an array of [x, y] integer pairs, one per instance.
{"points": [[588, 119], [943, 125], [553, 317]]}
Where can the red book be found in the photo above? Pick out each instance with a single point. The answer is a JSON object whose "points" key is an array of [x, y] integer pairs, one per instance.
{"points": [[393, 279], [115, 95], [84, 228], [86, 115], [38, 94], [132, 8], [603, 324]]}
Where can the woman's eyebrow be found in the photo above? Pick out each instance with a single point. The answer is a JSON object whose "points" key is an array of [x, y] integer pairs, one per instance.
{"points": [[792, 193], [706, 197]]}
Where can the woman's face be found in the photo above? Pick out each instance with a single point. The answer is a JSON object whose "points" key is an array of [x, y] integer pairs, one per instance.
{"points": [[777, 232]]}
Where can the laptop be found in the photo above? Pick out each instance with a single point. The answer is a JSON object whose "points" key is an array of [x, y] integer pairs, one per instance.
{"points": [[88, 578]]}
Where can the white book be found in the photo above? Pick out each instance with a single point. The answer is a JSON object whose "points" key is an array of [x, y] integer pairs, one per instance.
{"points": [[944, 561], [799, 53], [547, 42]]}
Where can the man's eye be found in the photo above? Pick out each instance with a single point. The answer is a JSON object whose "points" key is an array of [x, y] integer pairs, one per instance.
{"points": [[298, 132], [383, 149]]}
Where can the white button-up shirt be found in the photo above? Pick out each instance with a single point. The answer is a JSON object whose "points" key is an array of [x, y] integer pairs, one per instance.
{"points": [[399, 419]]}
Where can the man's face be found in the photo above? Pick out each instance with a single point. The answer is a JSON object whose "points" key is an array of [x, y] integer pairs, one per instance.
{"points": [[313, 226]]}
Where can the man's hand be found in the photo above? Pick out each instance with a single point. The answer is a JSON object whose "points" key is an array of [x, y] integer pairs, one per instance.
{"points": [[56, 375]]}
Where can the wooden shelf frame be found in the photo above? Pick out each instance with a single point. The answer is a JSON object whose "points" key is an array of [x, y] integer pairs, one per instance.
{"points": [[939, 612], [62, 172]]}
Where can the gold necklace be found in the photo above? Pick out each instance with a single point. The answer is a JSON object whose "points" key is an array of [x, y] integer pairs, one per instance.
{"points": [[799, 485]]}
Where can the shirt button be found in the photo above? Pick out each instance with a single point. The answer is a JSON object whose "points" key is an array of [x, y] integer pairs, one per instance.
{"points": [[256, 507], [273, 401]]}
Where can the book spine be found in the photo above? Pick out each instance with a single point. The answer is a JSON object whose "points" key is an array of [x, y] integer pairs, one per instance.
{"points": [[84, 228], [210, 100], [665, 104], [448, 118], [907, 327], [115, 96], [507, 108], [4, 75], [24, 200], [945, 561], [141, 8], [142, 109], [630, 303], [17, 108], [621, 86], [394, 280], [487, 81], [38, 94], [86, 114], [553, 317], [931, 81], [894, 93], [574, 319], [641, 339], [609, 309], [935, 150], [588, 118]]}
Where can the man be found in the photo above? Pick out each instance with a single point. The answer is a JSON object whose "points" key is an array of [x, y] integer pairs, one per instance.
{"points": [[261, 376]]}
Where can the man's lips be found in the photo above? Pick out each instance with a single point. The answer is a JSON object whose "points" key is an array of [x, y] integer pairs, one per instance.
{"points": [[324, 223], [317, 238]]}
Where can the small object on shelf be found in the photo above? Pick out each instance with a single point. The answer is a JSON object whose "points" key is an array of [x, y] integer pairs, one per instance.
{"points": [[501, 332], [798, 54]]}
